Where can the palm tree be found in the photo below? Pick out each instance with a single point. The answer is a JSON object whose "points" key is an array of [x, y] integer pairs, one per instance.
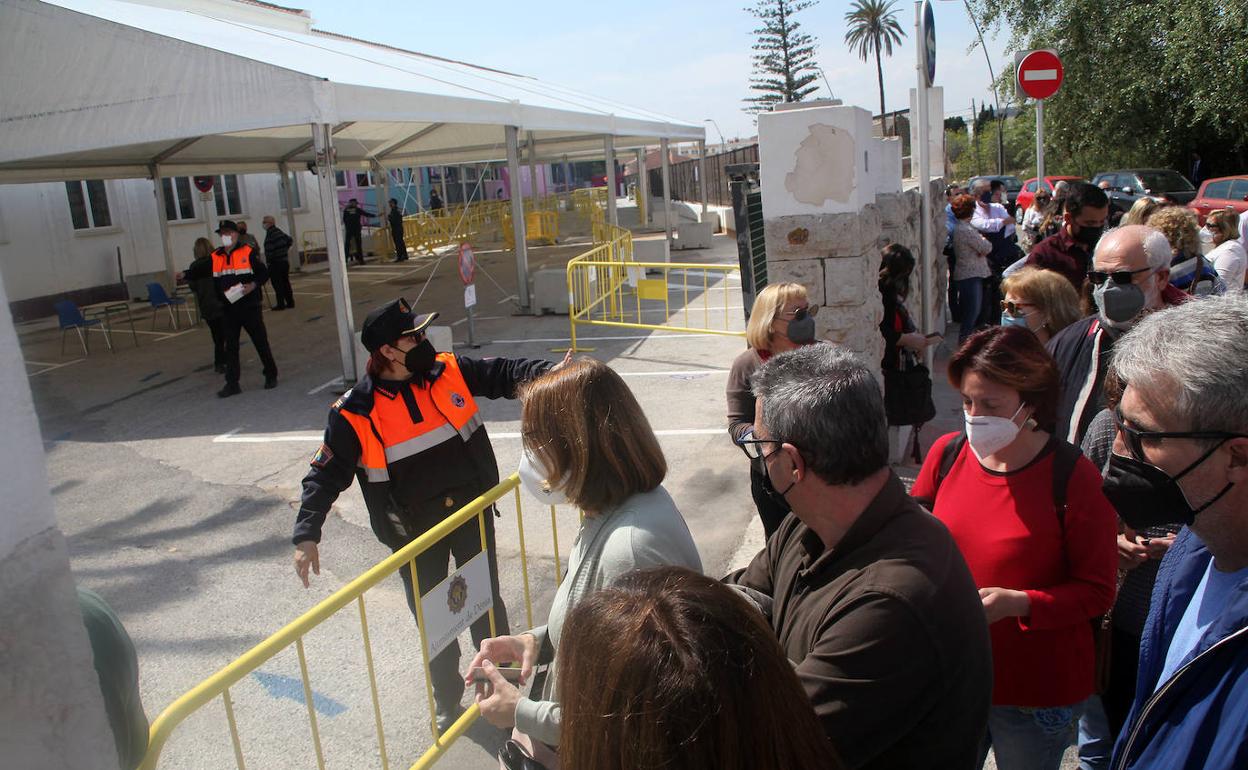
{"points": [[873, 28]]}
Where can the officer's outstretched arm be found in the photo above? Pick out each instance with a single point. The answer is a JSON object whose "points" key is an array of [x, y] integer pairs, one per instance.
{"points": [[499, 377], [332, 471]]}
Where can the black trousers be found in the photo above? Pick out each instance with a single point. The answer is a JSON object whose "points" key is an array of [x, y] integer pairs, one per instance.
{"points": [[400, 247], [217, 327], [251, 318], [431, 569], [769, 512], [1124, 664], [358, 237], [279, 274]]}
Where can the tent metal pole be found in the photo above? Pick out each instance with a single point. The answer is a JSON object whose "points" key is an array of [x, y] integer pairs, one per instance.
{"points": [[532, 153], [383, 205], [643, 188], [567, 174], [442, 183], [517, 217], [667, 200], [162, 204], [463, 184], [322, 142], [702, 176], [289, 184], [608, 143]]}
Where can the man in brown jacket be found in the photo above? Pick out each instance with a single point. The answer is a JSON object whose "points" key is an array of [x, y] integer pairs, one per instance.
{"points": [[868, 594]]}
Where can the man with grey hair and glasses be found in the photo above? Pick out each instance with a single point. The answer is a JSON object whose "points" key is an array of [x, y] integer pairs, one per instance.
{"points": [[868, 594], [1130, 277], [1181, 453]]}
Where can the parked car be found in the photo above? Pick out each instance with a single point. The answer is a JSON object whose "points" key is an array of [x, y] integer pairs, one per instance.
{"points": [[1129, 185], [1033, 185], [1225, 192], [1012, 187]]}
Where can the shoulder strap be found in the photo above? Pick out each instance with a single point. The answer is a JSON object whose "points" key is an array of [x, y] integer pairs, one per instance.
{"points": [[947, 457], [1065, 456]]}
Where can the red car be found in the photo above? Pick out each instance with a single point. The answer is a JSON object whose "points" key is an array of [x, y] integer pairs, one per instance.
{"points": [[1226, 192], [1028, 192]]}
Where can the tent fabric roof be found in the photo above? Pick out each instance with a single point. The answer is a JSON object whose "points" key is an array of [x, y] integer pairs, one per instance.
{"points": [[107, 88]]}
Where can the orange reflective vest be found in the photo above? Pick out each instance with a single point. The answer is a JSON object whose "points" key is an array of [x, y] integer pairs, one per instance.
{"points": [[389, 433], [236, 262]]}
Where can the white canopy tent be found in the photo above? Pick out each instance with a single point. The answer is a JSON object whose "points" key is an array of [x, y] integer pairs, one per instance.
{"points": [[111, 89]]}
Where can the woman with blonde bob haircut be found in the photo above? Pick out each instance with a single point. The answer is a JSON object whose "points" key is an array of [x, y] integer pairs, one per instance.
{"points": [[1041, 300], [782, 319], [585, 442]]}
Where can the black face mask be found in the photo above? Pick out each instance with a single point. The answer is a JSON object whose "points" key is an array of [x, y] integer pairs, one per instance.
{"points": [[776, 495], [1146, 496], [1088, 236], [985, 197], [419, 360], [801, 330]]}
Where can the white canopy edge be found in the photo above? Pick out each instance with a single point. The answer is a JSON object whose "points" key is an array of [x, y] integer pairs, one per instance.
{"points": [[108, 88]]}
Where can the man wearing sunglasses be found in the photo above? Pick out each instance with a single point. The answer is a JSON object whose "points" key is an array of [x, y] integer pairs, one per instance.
{"points": [[1130, 277], [409, 431], [1181, 453]]}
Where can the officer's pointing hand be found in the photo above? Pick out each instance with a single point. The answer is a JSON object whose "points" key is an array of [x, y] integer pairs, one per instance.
{"points": [[567, 359], [307, 554]]}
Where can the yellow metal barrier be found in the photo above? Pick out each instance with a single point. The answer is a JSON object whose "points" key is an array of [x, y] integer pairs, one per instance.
{"points": [[539, 227], [607, 288], [218, 685]]}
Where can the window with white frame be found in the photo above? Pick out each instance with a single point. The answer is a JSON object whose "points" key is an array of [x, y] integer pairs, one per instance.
{"points": [[179, 200], [88, 204], [396, 176], [295, 197], [229, 200], [363, 179]]}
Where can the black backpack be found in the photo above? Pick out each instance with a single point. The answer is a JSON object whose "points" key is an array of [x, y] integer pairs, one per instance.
{"points": [[1065, 456]]}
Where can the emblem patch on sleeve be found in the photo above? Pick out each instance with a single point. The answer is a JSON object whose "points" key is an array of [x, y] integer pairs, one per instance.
{"points": [[322, 457], [458, 400]]}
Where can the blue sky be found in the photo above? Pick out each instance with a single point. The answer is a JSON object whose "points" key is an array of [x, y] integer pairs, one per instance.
{"points": [[689, 60]]}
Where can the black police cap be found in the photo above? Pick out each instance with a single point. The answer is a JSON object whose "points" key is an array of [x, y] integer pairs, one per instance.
{"points": [[392, 320], [227, 225]]}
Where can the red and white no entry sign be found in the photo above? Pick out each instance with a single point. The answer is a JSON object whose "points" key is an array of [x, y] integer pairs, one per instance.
{"points": [[1040, 74], [467, 263]]}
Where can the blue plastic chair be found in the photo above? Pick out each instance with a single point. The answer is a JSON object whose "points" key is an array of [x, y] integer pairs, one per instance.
{"points": [[71, 317], [158, 297]]}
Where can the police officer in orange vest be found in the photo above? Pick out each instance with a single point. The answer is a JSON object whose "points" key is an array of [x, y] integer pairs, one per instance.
{"points": [[410, 432], [238, 272]]}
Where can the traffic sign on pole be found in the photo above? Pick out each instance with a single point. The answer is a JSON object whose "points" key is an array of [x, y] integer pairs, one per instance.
{"points": [[467, 263], [1039, 73]]}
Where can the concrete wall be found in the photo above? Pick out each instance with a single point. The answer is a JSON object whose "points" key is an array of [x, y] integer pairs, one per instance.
{"points": [[832, 198], [51, 711]]}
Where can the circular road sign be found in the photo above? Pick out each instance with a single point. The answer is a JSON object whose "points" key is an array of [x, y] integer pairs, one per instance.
{"points": [[467, 264], [1040, 74], [203, 183], [929, 42]]}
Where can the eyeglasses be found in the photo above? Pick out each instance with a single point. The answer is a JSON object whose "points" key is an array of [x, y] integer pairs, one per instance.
{"points": [[416, 337], [753, 447], [1120, 277], [1134, 439], [1014, 308], [800, 313]]}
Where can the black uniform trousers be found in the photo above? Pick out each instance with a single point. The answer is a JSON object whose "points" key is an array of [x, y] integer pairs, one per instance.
{"points": [[356, 236], [431, 569], [279, 275], [251, 318], [217, 327], [400, 247]]}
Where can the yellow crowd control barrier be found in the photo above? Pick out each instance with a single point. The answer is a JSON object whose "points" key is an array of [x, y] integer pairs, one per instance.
{"points": [[218, 685], [539, 227], [607, 288]]}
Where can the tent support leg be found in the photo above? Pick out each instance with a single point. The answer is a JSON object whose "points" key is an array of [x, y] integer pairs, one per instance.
{"points": [[517, 218], [608, 143], [667, 199], [322, 141]]}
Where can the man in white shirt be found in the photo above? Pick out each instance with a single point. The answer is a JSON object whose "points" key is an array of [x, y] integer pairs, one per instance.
{"points": [[1243, 228], [995, 224]]}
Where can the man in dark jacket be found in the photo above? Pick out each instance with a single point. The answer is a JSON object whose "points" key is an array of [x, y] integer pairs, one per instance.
{"points": [[238, 273], [277, 254], [353, 229], [868, 594], [394, 218], [1130, 277], [409, 431], [1069, 252], [1182, 452]]}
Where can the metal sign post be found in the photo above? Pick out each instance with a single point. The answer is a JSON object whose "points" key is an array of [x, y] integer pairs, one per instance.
{"points": [[1039, 74], [467, 272], [925, 66]]}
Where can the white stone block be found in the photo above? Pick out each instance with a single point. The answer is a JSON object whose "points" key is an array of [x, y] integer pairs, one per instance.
{"points": [[442, 339], [694, 235], [649, 250], [936, 129], [814, 161], [886, 165]]}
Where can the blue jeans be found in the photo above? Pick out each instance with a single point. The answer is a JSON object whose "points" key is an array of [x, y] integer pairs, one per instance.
{"points": [[971, 298], [1029, 738], [1096, 743]]}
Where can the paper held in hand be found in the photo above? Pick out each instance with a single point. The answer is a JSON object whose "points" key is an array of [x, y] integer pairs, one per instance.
{"points": [[235, 293]]}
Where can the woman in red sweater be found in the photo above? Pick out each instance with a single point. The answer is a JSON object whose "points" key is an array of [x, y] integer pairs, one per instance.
{"points": [[1043, 568]]}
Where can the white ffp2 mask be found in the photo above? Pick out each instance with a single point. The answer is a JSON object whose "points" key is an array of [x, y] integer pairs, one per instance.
{"points": [[988, 435], [536, 481]]}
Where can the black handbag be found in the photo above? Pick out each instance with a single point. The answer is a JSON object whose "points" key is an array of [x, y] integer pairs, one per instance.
{"points": [[514, 757], [908, 392]]}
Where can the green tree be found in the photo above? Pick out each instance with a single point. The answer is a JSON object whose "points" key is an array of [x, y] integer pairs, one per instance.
{"points": [[873, 29], [784, 57], [1146, 82]]}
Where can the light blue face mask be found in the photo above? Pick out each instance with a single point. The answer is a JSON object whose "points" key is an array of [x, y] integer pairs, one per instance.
{"points": [[1014, 320]]}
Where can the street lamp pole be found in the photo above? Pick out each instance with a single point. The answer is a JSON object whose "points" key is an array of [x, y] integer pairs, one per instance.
{"points": [[722, 144]]}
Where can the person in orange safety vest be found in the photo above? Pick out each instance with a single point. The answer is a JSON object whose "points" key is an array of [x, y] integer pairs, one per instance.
{"points": [[412, 435]]}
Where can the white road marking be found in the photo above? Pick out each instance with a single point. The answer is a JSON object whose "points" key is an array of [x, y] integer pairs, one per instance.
{"points": [[50, 367], [686, 373], [619, 337], [325, 386], [234, 436]]}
